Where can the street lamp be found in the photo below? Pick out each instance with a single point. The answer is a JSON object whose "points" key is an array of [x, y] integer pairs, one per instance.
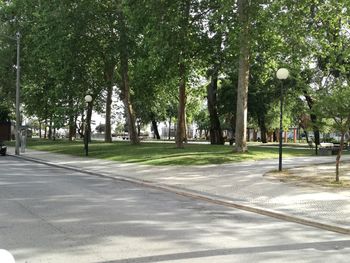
{"points": [[88, 100], [18, 114], [282, 74]]}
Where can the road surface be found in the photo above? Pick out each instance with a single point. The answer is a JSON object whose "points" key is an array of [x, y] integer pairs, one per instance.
{"points": [[54, 215]]}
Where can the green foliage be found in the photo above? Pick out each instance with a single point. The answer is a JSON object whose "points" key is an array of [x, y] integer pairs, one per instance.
{"points": [[335, 105], [7, 60], [100, 128], [69, 46], [202, 119]]}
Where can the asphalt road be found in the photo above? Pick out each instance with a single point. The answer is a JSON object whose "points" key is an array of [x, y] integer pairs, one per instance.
{"points": [[55, 215]]}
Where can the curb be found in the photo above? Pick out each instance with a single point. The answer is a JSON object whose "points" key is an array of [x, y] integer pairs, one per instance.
{"points": [[191, 194]]}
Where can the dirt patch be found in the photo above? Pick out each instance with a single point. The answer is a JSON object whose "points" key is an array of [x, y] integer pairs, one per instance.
{"points": [[314, 176]]}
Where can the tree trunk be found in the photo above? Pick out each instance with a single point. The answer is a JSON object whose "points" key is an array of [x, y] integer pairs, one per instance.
{"points": [[45, 129], [155, 129], [50, 129], [306, 135], [88, 121], [255, 135], [183, 55], [72, 128], [75, 125], [310, 103], [206, 134], [129, 110], [71, 122], [215, 128], [40, 126], [262, 126], [243, 78], [81, 126], [181, 122], [169, 132], [138, 127], [125, 88], [263, 132], [109, 75], [337, 162], [232, 125], [285, 137], [275, 136]]}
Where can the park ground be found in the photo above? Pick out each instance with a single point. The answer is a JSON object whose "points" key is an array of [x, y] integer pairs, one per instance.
{"points": [[201, 153]]}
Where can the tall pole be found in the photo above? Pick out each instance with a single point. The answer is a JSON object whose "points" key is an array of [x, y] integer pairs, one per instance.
{"points": [[18, 114], [281, 130], [86, 137], [88, 100], [281, 74]]}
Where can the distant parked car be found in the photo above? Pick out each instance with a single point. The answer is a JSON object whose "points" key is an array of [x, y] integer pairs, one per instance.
{"points": [[125, 136], [3, 149]]}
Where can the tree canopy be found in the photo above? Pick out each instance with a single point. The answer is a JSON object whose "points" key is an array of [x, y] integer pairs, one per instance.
{"points": [[174, 60]]}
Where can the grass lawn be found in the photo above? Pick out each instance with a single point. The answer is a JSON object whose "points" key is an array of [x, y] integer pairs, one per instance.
{"points": [[154, 153]]}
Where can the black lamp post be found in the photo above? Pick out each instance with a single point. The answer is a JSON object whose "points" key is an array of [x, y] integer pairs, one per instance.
{"points": [[88, 100], [281, 74]]}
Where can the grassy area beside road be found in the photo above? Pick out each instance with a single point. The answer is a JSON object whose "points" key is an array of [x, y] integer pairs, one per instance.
{"points": [[153, 153]]}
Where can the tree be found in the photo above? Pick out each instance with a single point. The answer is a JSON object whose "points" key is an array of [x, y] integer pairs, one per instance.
{"points": [[124, 53], [243, 75], [262, 26], [172, 33], [7, 58], [203, 122], [52, 64], [68, 51], [103, 39], [315, 46], [335, 105], [101, 128], [215, 58]]}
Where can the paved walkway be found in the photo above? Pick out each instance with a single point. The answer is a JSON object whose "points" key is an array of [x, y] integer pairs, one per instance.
{"points": [[241, 184]]}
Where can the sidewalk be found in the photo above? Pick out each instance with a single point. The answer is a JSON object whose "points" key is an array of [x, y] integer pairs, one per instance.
{"points": [[241, 184]]}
